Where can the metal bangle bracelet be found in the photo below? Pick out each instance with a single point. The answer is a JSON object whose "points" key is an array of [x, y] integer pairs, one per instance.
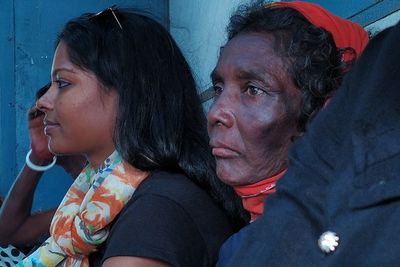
{"points": [[38, 168]]}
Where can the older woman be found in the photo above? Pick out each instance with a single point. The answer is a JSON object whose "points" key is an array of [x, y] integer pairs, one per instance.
{"points": [[338, 204], [281, 64]]}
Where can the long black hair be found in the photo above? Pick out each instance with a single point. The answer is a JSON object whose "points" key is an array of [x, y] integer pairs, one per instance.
{"points": [[160, 122], [312, 59]]}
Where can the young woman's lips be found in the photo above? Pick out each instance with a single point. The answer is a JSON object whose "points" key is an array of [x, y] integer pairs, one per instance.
{"points": [[49, 127]]}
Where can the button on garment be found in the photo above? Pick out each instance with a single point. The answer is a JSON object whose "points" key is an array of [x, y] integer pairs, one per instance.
{"points": [[328, 241]]}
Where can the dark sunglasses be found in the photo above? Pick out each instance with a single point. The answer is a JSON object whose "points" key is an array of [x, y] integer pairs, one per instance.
{"points": [[106, 12]]}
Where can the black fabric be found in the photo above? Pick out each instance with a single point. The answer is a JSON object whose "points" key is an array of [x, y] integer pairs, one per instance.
{"points": [[171, 219], [343, 176]]}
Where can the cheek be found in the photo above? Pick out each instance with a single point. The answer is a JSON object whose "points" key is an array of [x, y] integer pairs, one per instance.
{"points": [[99, 120], [291, 102], [83, 119], [271, 127], [254, 124]]}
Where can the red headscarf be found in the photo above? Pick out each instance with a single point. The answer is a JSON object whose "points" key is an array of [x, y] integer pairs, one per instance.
{"points": [[345, 33]]}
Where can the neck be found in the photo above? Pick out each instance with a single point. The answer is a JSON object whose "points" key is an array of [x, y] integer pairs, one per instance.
{"points": [[253, 195], [96, 160]]}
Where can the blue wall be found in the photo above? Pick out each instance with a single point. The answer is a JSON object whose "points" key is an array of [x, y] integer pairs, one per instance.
{"points": [[27, 33], [363, 12]]}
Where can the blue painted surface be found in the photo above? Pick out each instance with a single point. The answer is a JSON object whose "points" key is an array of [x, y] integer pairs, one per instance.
{"points": [[7, 95], [27, 34], [345, 8], [363, 12], [376, 12]]}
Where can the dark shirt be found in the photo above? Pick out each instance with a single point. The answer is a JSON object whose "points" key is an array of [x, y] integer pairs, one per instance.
{"points": [[343, 177], [171, 219]]}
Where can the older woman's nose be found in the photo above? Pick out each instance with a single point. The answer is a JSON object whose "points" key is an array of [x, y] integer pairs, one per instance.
{"points": [[221, 113], [46, 101]]}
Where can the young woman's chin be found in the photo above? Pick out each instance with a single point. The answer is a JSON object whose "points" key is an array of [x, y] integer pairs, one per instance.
{"points": [[58, 149]]}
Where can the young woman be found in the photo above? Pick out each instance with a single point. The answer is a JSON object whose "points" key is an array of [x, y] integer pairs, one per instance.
{"points": [[123, 95]]}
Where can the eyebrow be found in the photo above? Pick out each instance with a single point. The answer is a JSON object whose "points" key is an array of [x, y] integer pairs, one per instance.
{"points": [[250, 74], [215, 75], [242, 74], [56, 71]]}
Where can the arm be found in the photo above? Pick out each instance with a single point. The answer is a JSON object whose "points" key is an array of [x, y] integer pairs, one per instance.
{"points": [[133, 261], [16, 220]]}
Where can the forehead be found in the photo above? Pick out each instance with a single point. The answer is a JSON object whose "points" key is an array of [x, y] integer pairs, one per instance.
{"points": [[62, 65], [250, 52], [61, 56]]}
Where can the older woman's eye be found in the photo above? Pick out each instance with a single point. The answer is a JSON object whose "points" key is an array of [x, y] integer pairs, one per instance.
{"points": [[253, 91], [217, 90]]}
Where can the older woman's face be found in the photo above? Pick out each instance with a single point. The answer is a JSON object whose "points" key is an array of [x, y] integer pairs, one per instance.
{"points": [[80, 115], [252, 121]]}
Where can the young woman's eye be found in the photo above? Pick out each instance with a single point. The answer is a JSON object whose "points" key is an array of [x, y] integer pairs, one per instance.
{"points": [[62, 84], [253, 91]]}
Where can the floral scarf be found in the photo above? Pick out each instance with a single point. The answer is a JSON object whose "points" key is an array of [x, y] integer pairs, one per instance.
{"points": [[81, 222]]}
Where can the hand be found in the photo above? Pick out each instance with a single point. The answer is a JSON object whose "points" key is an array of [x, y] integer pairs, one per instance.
{"points": [[39, 141]]}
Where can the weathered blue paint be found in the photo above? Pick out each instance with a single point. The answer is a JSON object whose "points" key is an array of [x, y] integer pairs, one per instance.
{"points": [[27, 34], [363, 12], [7, 96], [376, 12]]}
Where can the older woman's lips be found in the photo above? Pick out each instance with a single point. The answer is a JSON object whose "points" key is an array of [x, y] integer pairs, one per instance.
{"points": [[223, 152]]}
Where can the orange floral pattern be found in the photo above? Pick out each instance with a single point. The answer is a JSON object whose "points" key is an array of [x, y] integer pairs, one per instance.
{"points": [[81, 222]]}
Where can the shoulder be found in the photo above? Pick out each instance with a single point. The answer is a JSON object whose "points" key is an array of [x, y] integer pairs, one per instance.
{"points": [[180, 189], [165, 183], [183, 196], [167, 212]]}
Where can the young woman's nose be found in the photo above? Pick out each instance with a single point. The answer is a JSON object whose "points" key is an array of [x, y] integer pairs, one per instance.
{"points": [[46, 101]]}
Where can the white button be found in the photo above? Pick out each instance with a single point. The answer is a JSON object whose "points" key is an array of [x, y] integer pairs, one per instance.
{"points": [[328, 241]]}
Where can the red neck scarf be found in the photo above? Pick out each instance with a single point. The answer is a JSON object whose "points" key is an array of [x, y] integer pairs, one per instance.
{"points": [[253, 195], [345, 33]]}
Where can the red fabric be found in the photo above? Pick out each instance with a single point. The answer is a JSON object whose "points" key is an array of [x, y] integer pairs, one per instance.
{"points": [[253, 195], [345, 33]]}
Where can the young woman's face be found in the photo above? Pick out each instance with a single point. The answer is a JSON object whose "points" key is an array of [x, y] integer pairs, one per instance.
{"points": [[80, 114]]}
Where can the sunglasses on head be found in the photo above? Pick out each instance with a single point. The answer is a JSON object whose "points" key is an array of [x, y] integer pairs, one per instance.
{"points": [[106, 12]]}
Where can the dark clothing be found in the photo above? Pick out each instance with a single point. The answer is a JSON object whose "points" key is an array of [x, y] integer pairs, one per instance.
{"points": [[343, 176], [230, 247], [171, 219]]}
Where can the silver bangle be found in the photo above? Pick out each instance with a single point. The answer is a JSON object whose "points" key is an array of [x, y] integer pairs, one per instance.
{"points": [[38, 168]]}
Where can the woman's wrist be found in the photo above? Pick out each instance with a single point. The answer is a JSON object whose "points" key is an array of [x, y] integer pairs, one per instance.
{"points": [[38, 160], [37, 164]]}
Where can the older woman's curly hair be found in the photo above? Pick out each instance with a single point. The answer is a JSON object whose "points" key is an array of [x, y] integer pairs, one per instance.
{"points": [[311, 57]]}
